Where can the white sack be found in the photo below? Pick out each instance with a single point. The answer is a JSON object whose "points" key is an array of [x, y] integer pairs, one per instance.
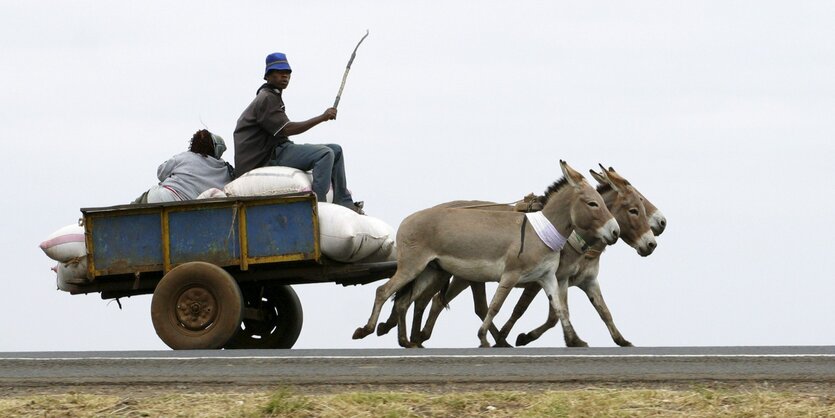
{"points": [[269, 181], [72, 273], [387, 252], [212, 193], [65, 244], [388, 249], [348, 236]]}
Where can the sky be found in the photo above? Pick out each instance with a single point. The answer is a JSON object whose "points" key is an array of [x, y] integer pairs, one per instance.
{"points": [[720, 113]]}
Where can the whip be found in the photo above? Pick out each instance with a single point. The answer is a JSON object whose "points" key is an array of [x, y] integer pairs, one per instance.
{"points": [[348, 68]]}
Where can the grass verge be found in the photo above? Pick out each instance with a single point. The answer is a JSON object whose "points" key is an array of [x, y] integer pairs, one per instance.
{"points": [[285, 402]]}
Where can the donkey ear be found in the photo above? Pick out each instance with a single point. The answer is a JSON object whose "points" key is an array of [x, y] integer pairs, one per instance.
{"points": [[610, 179], [599, 177], [572, 176], [616, 178]]}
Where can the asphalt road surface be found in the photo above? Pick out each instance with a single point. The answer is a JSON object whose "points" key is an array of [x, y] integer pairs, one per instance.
{"points": [[531, 365]]}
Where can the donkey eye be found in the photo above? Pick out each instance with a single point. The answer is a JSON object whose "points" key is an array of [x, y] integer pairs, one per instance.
{"points": [[592, 204], [634, 211]]}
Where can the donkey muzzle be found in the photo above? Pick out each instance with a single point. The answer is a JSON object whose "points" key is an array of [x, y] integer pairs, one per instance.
{"points": [[609, 232]]}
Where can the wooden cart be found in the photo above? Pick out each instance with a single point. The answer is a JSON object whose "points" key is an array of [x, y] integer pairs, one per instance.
{"points": [[219, 270]]}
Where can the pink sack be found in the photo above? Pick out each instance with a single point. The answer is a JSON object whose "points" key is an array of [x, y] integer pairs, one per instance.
{"points": [[65, 244]]}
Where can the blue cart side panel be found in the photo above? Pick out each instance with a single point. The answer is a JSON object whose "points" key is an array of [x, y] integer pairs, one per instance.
{"points": [[127, 243], [204, 234], [283, 229]]}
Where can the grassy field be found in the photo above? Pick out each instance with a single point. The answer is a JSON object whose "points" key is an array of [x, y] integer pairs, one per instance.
{"points": [[694, 401]]}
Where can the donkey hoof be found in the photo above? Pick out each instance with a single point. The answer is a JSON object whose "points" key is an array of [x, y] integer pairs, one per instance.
{"points": [[523, 339], [624, 343], [383, 328], [502, 344], [576, 343], [361, 332]]}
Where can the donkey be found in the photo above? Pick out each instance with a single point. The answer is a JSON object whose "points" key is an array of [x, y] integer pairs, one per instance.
{"points": [[499, 246], [638, 218], [434, 280], [624, 202], [588, 267]]}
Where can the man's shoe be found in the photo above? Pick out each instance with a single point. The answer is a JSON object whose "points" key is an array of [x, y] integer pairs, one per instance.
{"points": [[358, 207]]}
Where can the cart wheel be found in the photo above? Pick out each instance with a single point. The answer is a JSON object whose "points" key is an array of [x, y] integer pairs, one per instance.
{"points": [[275, 322], [196, 305]]}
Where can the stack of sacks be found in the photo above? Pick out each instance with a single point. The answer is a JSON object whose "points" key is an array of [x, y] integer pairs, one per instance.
{"points": [[347, 236], [269, 181], [67, 247]]}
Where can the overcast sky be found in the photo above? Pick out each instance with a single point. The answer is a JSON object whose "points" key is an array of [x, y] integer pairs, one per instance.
{"points": [[722, 113]]}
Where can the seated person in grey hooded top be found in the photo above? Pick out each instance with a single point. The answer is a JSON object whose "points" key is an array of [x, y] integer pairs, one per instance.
{"points": [[186, 175]]}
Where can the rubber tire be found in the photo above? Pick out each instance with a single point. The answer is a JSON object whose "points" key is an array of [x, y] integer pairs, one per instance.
{"points": [[284, 310], [200, 277]]}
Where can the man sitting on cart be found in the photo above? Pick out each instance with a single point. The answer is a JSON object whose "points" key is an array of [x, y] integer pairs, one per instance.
{"points": [[262, 131]]}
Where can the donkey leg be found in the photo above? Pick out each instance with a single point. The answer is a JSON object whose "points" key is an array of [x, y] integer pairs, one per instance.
{"points": [[417, 318], [401, 307], [434, 312], [456, 286], [522, 305], [480, 305], [404, 275], [526, 338], [384, 327], [401, 329], [571, 338], [550, 288], [402, 299], [429, 282], [506, 283], [592, 289], [558, 298]]}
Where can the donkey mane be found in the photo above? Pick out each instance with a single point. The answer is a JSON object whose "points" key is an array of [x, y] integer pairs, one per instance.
{"points": [[555, 188], [603, 188]]}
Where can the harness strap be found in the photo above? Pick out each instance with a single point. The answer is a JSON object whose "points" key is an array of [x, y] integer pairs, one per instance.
{"points": [[577, 242], [487, 205], [581, 246], [522, 245]]}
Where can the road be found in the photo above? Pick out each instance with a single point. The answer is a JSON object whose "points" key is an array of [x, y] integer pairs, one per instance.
{"points": [[679, 364]]}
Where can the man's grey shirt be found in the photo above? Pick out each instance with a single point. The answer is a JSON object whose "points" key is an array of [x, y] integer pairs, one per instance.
{"points": [[258, 130]]}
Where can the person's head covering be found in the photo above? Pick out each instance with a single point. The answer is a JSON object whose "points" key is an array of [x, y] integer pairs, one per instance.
{"points": [[277, 61], [220, 146]]}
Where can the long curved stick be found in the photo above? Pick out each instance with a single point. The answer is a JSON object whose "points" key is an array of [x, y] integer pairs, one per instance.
{"points": [[348, 68]]}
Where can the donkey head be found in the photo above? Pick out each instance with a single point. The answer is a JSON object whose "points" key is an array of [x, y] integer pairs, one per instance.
{"points": [[657, 221], [626, 205], [589, 214]]}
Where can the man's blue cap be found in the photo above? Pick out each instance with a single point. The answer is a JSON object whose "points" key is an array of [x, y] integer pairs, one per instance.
{"points": [[277, 61]]}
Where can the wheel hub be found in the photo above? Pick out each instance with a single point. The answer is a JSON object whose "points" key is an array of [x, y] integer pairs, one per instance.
{"points": [[196, 308]]}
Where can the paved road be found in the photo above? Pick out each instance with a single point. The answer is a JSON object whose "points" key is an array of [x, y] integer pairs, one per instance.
{"points": [[422, 366]]}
